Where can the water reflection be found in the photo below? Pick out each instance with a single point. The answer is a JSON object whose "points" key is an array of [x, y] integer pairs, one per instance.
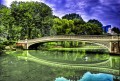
{"points": [[48, 65], [90, 77], [78, 57]]}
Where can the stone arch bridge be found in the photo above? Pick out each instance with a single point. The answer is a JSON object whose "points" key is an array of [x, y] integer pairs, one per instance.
{"points": [[111, 42]]}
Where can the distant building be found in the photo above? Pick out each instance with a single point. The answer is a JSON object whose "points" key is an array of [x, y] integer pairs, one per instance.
{"points": [[107, 29], [110, 31]]}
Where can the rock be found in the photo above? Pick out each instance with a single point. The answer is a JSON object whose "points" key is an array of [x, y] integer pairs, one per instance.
{"points": [[7, 47]]}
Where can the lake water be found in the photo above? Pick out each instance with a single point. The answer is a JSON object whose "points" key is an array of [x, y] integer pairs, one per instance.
{"points": [[36, 65]]}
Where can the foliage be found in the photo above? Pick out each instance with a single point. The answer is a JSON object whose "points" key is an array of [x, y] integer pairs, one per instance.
{"points": [[116, 30], [3, 34], [97, 26], [8, 28], [94, 21], [72, 16], [75, 27], [78, 28], [2, 6], [35, 19], [62, 26], [2, 47], [90, 29]]}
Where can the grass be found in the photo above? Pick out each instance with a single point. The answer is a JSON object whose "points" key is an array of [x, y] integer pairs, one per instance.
{"points": [[78, 49]]}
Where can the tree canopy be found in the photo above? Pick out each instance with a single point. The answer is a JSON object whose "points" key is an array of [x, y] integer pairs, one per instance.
{"points": [[94, 21], [116, 30], [26, 19], [35, 19], [72, 16]]}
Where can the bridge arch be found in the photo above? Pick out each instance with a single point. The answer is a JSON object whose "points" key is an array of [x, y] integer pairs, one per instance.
{"points": [[92, 42], [102, 40]]}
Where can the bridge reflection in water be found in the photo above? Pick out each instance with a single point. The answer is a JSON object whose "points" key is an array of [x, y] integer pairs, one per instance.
{"points": [[109, 66]]}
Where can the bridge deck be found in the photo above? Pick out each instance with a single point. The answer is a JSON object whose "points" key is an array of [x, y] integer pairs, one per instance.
{"points": [[81, 37]]}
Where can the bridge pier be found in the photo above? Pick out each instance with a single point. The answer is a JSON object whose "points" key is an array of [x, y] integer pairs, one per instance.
{"points": [[115, 47], [23, 45]]}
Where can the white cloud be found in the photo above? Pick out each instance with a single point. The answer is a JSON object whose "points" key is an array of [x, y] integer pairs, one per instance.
{"points": [[59, 1], [59, 13], [8, 2], [82, 5], [109, 2]]}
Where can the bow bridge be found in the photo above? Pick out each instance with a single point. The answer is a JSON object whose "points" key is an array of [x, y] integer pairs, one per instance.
{"points": [[111, 42]]}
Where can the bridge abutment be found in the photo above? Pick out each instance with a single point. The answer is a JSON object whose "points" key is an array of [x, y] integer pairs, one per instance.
{"points": [[22, 45], [115, 47]]}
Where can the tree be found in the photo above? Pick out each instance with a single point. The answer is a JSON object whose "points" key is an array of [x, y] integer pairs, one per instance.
{"points": [[57, 26], [33, 17], [116, 30], [94, 21], [2, 6], [63, 26], [7, 21], [67, 26], [93, 29], [72, 16], [98, 25], [3, 34], [88, 29], [77, 23]]}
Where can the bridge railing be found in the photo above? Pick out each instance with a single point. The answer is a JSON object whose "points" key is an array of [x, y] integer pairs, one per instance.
{"points": [[86, 37], [74, 37], [116, 37]]}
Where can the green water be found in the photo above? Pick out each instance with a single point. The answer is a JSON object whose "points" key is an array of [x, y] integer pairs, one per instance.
{"points": [[47, 65]]}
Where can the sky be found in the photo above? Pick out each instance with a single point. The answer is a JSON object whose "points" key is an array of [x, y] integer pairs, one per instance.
{"points": [[106, 11]]}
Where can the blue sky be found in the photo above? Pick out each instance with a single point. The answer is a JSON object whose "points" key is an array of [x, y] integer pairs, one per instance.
{"points": [[106, 11]]}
